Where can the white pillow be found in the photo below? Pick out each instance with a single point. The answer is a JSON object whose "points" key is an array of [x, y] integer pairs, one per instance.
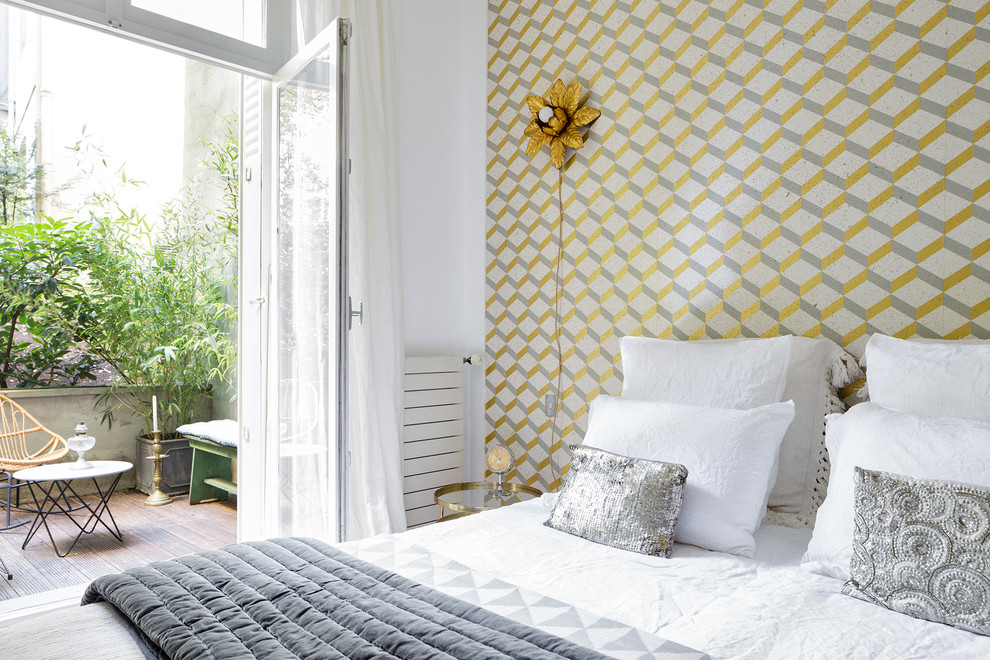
{"points": [[816, 368], [730, 456], [876, 438], [939, 379], [741, 375], [815, 371]]}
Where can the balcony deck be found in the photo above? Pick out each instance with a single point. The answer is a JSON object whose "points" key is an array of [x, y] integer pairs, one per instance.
{"points": [[150, 534]]}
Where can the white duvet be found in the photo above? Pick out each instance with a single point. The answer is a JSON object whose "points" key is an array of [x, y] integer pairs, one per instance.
{"points": [[727, 606]]}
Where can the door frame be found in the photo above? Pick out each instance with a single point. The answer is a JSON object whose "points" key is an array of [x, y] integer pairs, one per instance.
{"points": [[123, 19], [254, 305]]}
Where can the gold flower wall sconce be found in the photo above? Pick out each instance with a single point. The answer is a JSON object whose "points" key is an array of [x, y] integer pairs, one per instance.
{"points": [[556, 120]]}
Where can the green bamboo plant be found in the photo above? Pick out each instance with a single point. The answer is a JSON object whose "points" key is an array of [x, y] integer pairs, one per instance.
{"points": [[163, 292]]}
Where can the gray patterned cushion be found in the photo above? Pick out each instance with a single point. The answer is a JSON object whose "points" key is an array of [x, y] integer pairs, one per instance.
{"points": [[919, 548], [622, 502]]}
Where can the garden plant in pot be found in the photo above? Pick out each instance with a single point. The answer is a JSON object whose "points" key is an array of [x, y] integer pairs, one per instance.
{"points": [[163, 312]]}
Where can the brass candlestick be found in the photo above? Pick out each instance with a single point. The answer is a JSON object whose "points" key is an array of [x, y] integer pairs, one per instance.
{"points": [[157, 497]]}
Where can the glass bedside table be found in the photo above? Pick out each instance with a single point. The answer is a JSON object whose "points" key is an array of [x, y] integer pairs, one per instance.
{"points": [[457, 500]]}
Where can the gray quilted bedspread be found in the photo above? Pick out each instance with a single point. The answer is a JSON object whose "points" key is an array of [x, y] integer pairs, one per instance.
{"points": [[301, 598]]}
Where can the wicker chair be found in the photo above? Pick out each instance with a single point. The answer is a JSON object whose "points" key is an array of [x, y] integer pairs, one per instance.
{"points": [[24, 443]]}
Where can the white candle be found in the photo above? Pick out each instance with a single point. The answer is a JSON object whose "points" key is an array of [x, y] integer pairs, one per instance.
{"points": [[154, 413]]}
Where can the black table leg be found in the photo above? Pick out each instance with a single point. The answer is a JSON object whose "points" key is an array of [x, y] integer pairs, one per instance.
{"points": [[50, 504]]}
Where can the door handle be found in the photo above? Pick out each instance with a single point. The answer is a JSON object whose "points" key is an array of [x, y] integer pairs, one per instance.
{"points": [[352, 313]]}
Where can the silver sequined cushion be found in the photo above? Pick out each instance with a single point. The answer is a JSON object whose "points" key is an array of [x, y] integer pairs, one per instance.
{"points": [[920, 548], [627, 503]]}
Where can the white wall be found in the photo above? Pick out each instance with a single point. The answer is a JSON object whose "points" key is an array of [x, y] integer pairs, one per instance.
{"points": [[444, 62]]}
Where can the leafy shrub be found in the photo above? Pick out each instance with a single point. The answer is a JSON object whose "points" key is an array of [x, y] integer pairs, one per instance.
{"points": [[43, 301]]}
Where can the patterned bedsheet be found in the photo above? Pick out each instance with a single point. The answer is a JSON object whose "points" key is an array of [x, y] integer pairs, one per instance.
{"points": [[488, 591]]}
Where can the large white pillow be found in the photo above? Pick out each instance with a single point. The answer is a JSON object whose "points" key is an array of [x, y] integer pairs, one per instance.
{"points": [[814, 371], [739, 375], [876, 438], [730, 456], [817, 369], [939, 379]]}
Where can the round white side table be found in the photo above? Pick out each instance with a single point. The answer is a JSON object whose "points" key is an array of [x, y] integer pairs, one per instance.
{"points": [[55, 483]]}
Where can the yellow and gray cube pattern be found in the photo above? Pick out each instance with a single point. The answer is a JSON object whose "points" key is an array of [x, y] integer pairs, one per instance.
{"points": [[816, 168]]}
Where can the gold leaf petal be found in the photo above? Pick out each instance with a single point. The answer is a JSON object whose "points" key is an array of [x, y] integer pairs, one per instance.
{"points": [[532, 147], [572, 98], [557, 93], [533, 128], [572, 138], [535, 104], [536, 143], [585, 115], [557, 152]]}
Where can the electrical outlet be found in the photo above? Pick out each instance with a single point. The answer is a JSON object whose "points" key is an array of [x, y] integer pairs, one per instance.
{"points": [[550, 404]]}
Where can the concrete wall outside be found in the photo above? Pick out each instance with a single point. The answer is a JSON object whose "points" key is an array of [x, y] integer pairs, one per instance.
{"points": [[60, 409]]}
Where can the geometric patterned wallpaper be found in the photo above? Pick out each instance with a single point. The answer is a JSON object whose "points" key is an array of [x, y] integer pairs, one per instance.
{"points": [[755, 171]]}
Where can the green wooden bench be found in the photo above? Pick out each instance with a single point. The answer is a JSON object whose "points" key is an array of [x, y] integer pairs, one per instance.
{"points": [[212, 473]]}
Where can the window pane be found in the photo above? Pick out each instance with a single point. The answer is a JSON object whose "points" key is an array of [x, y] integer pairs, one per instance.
{"points": [[307, 290], [239, 19]]}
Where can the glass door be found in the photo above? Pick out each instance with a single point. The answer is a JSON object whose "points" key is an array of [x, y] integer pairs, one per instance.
{"points": [[307, 387]]}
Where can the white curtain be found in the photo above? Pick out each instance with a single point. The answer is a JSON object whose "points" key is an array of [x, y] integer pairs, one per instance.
{"points": [[374, 489]]}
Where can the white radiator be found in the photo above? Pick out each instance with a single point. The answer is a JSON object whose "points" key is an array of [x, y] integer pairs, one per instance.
{"points": [[433, 433]]}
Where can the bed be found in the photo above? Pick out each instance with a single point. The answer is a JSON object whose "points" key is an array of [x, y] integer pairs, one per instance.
{"points": [[725, 605], [718, 575]]}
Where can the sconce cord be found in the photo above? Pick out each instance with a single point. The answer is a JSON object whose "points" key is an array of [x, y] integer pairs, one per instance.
{"points": [[554, 441]]}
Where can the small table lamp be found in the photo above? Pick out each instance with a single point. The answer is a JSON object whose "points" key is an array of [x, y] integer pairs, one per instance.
{"points": [[81, 443]]}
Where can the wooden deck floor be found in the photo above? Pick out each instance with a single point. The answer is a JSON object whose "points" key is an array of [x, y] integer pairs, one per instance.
{"points": [[150, 534]]}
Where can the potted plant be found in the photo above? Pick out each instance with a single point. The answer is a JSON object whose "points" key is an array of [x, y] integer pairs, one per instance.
{"points": [[161, 319], [163, 315]]}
